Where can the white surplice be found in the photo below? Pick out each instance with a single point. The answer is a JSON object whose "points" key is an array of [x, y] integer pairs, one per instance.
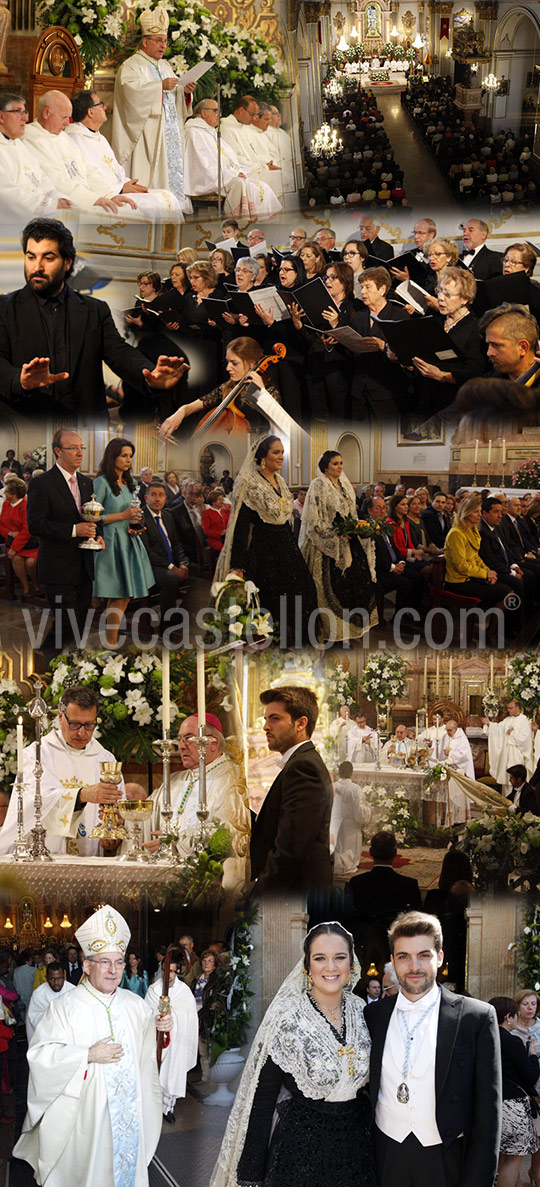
{"points": [[62, 162], [92, 1123], [23, 181], [225, 805], [65, 771], [40, 1002], [156, 204], [243, 197], [181, 1054], [509, 742], [349, 815], [437, 735], [280, 142], [252, 153], [460, 756]]}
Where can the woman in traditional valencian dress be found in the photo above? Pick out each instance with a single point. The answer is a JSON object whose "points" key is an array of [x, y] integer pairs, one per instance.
{"points": [[260, 545], [338, 564], [311, 1051]]}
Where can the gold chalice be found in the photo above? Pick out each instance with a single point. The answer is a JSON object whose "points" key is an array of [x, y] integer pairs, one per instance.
{"points": [[136, 812], [110, 829]]}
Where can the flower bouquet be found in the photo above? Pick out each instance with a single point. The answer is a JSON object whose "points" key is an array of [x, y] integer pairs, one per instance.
{"points": [[237, 618], [523, 681], [491, 704], [527, 475], [384, 677], [361, 529]]}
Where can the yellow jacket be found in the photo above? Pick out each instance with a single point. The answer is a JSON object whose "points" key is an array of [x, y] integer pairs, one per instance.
{"points": [[461, 551]]}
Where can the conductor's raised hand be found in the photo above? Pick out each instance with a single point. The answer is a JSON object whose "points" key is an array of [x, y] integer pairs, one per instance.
{"points": [[37, 373], [167, 371], [105, 1051]]}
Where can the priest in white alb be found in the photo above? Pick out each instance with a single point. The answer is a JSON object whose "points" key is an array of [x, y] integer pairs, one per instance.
{"points": [[434, 738], [94, 1099], [263, 149], [225, 802], [41, 998], [62, 162], [458, 753], [71, 789], [150, 107], [509, 742], [282, 153], [89, 115], [245, 198], [253, 154], [23, 182], [181, 1053]]}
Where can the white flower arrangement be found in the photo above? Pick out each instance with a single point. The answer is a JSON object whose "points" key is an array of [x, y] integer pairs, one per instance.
{"points": [[384, 678], [491, 704], [523, 681]]}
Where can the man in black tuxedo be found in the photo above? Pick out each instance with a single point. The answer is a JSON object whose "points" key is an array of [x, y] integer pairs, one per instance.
{"points": [[436, 523], [71, 964], [524, 795], [54, 515], [497, 557], [167, 557], [479, 259], [390, 568], [290, 849], [147, 476], [53, 341], [369, 232], [514, 541], [435, 1078], [376, 897]]}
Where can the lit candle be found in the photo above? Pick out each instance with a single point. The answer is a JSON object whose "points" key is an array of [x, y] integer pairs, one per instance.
{"points": [[506, 668], [489, 452], [201, 698], [437, 675], [491, 672], [504, 453], [20, 745], [165, 690], [476, 452], [450, 676], [425, 675]]}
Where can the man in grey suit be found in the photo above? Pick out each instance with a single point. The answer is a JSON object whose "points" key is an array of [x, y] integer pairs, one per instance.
{"points": [[435, 1079]]}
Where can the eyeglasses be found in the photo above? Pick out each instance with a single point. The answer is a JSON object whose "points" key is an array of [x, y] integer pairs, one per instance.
{"points": [[100, 104], [300, 238], [114, 966], [350, 253], [73, 448], [16, 111], [75, 726]]}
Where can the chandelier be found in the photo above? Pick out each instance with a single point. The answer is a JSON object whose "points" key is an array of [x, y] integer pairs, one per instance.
{"points": [[490, 83], [326, 142]]}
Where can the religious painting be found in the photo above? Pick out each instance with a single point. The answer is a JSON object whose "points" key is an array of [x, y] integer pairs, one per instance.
{"points": [[463, 19], [372, 21], [413, 430]]}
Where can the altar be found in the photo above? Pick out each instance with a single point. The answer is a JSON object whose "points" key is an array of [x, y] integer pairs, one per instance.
{"points": [[392, 778]]}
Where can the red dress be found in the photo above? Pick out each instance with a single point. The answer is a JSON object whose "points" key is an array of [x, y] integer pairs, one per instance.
{"points": [[401, 539], [13, 519], [213, 524]]}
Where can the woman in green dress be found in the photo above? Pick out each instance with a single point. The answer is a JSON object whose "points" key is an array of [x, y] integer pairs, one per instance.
{"points": [[123, 570]]}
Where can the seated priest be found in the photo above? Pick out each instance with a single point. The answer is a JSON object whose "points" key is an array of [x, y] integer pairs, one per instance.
{"points": [[223, 795], [64, 165], [24, 183], [71, 789], [89, 115], [248, 199]]}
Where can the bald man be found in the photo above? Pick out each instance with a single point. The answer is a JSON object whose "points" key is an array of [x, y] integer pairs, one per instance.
{"points": [[63, 163]]}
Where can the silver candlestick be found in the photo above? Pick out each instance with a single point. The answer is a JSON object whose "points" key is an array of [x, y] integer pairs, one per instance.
{"points": [[21, 851], [38, 710], [203, 741], [166, 850]]}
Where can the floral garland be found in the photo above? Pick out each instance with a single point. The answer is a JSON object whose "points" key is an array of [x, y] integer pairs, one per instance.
{"points": [[504, 851], [527, 475], [97, 28], [523, 681], [231, 1013], [342, 689], [129, 691], [11, 705], [384, 677], [243, 62], [391, 813]]}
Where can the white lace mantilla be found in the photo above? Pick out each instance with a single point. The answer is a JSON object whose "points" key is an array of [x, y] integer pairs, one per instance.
{"points": [[324, 501]]}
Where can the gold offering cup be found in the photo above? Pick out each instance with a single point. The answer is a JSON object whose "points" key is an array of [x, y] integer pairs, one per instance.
{"points": [[110, 829], [136, 812]]}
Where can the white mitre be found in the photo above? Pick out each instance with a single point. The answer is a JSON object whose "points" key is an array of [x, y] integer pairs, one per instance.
{"points": [[154, 21], [105, 931]]}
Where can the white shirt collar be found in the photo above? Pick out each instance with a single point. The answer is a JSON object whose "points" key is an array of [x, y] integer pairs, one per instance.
{"points": [[283, 758], [423, 1003], [65, 473]]}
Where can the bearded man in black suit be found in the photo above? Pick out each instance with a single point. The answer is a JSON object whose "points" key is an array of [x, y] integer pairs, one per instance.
{"points": [[290, 850], [54, 515], [53, 340], [435, 1078]]}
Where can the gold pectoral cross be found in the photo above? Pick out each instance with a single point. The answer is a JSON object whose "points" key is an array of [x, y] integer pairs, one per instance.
{"points": [[349, 1052]]}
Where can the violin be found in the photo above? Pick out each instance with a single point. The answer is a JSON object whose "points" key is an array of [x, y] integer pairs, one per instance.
{"points": [[227, 415]]}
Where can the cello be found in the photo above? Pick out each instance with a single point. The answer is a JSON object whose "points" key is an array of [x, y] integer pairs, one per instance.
{"points": [[227, 416]]}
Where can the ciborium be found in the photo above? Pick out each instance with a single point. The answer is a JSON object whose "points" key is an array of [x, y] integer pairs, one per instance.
{"points": [[110, 829]]}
